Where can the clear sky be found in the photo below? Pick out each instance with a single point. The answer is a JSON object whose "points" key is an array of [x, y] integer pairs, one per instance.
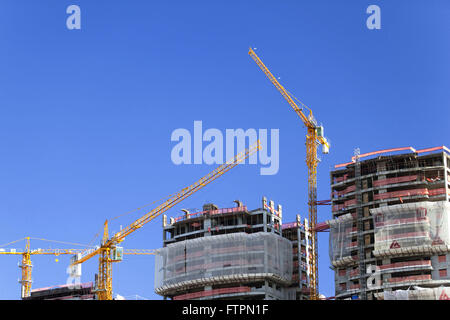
{"points": [[86, 115]]}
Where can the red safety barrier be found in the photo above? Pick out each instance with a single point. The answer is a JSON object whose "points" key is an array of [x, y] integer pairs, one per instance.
{"points": [[383, 151], [394, 180], [354, 272], [393, 150], [337, 207], [416, 263], [216, 251], [208, 293], [434, 149], [436, 192], [346, 190], [290, 225], [354, 286], [401, 193], [340, 179], [349, 230], [322, 226], [410, 278], [275, 212], [211, 212], [352, 244], [306, 290], [224, 264]]}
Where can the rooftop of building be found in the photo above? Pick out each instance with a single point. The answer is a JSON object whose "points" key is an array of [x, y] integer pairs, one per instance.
{"points": [[390, 153], [62, 292]]}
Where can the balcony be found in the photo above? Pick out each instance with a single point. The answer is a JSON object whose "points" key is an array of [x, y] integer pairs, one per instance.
{"points": [[410, 278], [388, 181], [406, 266], [209, 293]]}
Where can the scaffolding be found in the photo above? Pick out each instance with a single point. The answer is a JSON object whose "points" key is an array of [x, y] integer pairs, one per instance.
{"points": [[418, 293], [342, 230], [360, 227], [229, 256], [411, 225]]}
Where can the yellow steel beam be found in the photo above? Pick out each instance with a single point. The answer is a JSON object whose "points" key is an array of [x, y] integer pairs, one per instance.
{"points": [[104, 283], [26, 271], [312, 140], [184, 193]]}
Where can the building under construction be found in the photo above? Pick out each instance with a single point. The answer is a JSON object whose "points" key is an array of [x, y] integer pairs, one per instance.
{"points": [[390, 235], [82, 291], [233, 253]]}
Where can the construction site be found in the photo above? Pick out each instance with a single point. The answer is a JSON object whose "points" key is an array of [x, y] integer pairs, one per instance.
{"points": [[389, 238], [389, 234], [233, 253]]}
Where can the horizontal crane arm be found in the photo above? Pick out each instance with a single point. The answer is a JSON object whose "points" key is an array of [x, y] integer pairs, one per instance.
{"points": [[46, 251], [57, 252]]}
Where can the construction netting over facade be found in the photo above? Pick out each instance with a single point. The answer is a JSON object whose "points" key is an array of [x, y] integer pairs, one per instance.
{"points": [[411, 225], [418, 293], [341, 233], [223, 256], [419, 224]]}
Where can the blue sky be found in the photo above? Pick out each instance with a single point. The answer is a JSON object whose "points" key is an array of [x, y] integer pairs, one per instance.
{"points": [[86, 115]]}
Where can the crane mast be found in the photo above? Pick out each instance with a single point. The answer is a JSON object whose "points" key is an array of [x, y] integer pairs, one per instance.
{"points": [[26, 267], [311, 160], [314, 137]]}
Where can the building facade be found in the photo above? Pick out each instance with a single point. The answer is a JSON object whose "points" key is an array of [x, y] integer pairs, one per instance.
{"points": [[232, 253], [389, 236]]}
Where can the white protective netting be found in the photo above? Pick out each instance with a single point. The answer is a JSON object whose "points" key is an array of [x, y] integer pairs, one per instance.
{"points": [[418, 293], [341, 233], [223, 255], [411, 224]]}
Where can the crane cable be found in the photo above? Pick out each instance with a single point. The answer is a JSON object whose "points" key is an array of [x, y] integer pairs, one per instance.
{"points": [[301, 103], [7, 244], [144, 206], [63, 242]]}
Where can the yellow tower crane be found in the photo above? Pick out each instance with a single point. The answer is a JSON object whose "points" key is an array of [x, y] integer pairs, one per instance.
{"points": [[314, 137], [27, 265], [109, 252]]}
